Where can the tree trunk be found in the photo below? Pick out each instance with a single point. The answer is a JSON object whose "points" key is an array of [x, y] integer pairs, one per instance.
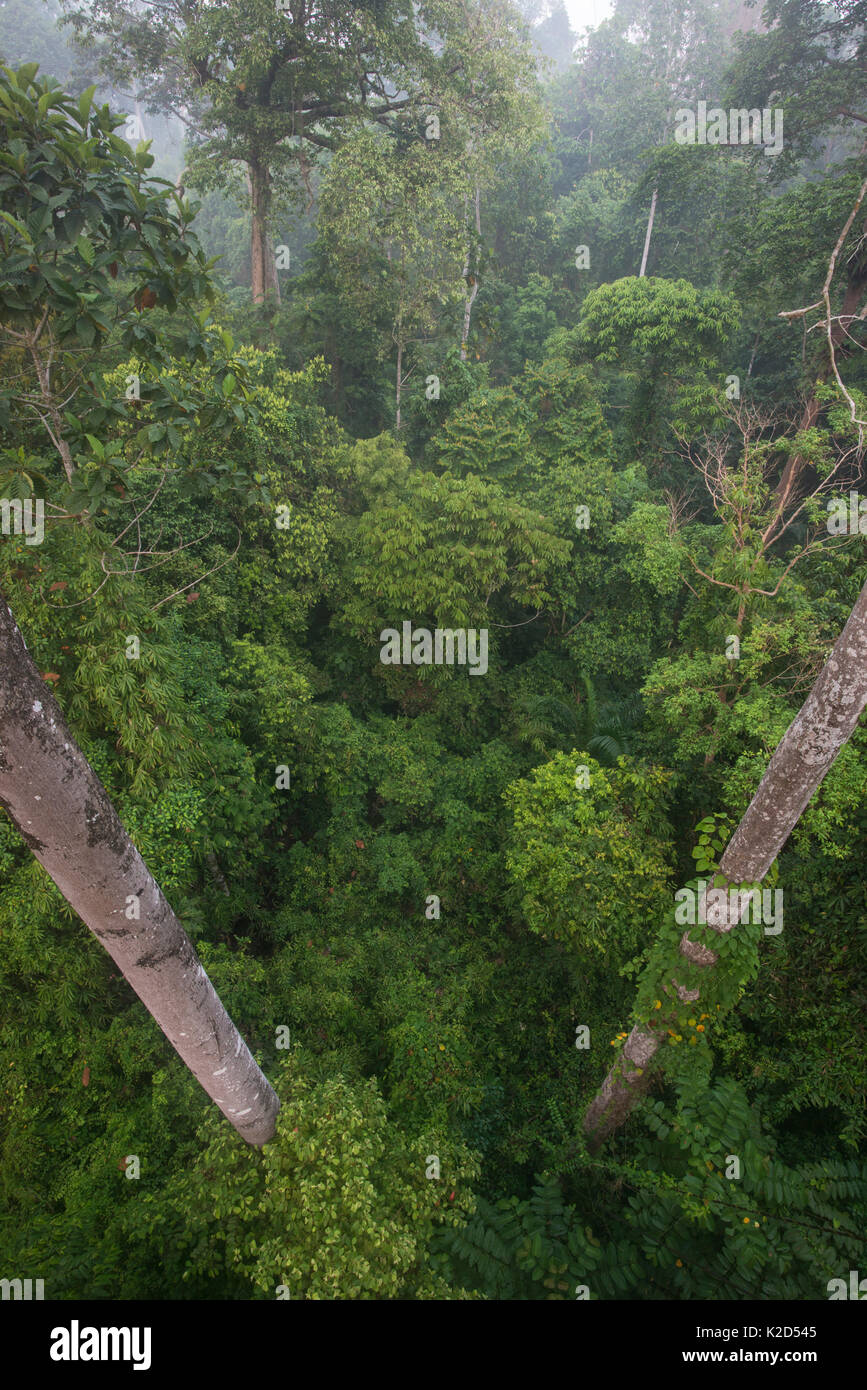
{"points": [[826, 720], [272, 280], [217, 874], [647, 237], [471, 261], [399, 383], [259, 185], [64, 815]]}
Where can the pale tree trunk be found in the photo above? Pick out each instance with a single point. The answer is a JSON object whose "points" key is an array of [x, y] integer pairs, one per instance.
{"points": [[272, 280], [399, 382], [64, 815], [647, 237], [474, 288], [811, 743]]}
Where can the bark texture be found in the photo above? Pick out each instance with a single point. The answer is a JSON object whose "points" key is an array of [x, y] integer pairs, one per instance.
{"points": [[263, 268], [807, 750], [64, 815]]}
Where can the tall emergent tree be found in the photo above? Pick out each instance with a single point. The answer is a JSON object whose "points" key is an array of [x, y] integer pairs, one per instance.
{"points": [[88, 244], [400, 211], [268, 86]]}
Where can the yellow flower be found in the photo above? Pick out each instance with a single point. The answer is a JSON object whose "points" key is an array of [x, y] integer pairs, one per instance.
{"points": [[679, 1264], [700, 1028], [746, 1221], [442, 1047], [658, 1004]]}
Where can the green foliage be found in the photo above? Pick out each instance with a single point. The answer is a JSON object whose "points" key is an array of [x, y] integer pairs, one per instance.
{"points": [[488, 435], [436, 548], [463, 873], [586, 852], [90, 245], [337, 1206]]}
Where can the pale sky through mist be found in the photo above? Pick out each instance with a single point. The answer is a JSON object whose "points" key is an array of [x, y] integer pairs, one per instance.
{"points": [[584, 13]]}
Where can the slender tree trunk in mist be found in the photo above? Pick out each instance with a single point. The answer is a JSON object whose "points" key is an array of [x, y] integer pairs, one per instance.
{"points": [[64, 815], [647, 237], [807, 750], [474, 288], [272, 279]]}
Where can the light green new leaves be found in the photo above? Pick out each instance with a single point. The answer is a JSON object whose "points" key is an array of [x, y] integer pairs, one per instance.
{"points": [[592, 861], [438, 549], [337, 1206]]}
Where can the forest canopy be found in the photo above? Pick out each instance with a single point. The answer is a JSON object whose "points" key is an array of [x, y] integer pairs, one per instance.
{"points": [[430, 490]]}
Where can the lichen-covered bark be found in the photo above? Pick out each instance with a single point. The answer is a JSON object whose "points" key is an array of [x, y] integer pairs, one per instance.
{"points": [[808, 748], [64, 815]]}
